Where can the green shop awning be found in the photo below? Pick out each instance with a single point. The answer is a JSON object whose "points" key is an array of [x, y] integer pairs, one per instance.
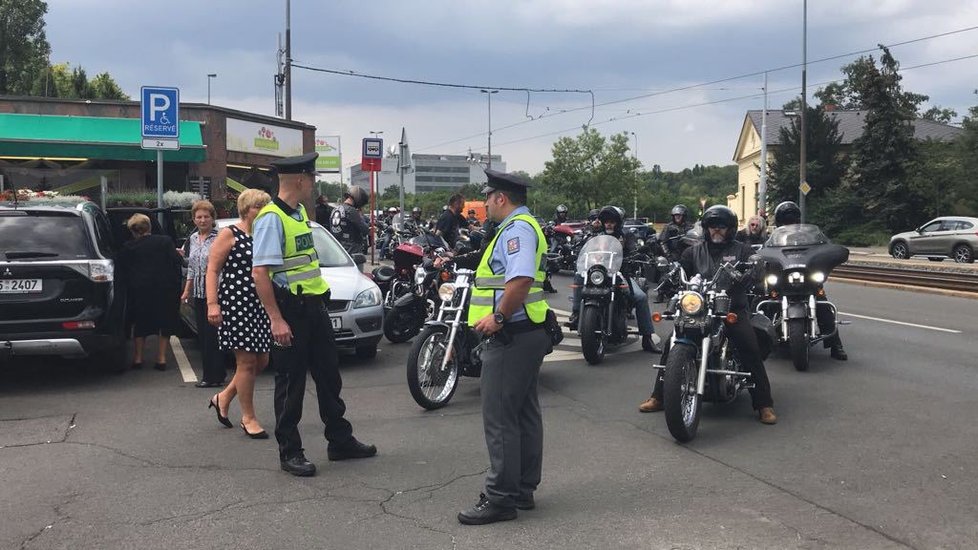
{"points": [[51, 136]]}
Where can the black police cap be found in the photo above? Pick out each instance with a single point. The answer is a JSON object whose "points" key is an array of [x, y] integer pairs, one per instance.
{"points": [[501, 181], [296, 165]]}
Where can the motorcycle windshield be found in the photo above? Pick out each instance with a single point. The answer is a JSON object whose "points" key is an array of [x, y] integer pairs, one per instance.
{"points": [[797, 235], [429, 240], [694, 236], [603, 250], [397, 222]]}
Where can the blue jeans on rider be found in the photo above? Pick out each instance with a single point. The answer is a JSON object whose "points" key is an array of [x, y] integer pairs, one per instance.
{"points": [[643, 312]]}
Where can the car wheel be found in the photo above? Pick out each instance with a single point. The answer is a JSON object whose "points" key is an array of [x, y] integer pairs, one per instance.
{"points": [[963, 254], [368, 352], [900, 251]]}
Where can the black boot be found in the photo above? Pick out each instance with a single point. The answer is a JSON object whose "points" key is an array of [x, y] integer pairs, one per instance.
{"points": [[298, 466], [485, 512], [572, 322], [351, 449], [839, 352], [649, 345]]}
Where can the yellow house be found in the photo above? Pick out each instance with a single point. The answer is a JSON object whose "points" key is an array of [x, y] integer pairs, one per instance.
{"points": [[747, 155]]}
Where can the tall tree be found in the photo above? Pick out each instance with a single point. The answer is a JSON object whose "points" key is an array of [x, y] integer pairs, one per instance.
{"points": [[589, 171], [850, 93], [884, 155], [24, 48]]}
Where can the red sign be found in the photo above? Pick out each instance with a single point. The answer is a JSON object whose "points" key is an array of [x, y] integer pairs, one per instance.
{"points": [[371, 164], [373, 155]]}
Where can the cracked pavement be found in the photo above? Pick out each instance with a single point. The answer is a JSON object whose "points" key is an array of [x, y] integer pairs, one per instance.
{"points": [[137, 461]]}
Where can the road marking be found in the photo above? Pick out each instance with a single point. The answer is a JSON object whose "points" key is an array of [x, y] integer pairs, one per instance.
{"points": [[185, 369], [565, 313], [939, 329]]}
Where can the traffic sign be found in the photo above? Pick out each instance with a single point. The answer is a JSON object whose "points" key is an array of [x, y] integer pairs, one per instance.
{"points": [[160, 108], [373, 154], [805, 188], [167, 144]]}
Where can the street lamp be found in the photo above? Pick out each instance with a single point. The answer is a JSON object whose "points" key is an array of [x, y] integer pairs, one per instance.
{"points": [[209, 77], [635, 190], [489, 95]]}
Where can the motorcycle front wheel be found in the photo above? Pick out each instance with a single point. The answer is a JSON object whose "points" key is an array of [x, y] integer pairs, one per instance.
{"points": [[592, 337], [798, 343], [681, 402], [431, 386], [400, 325]]}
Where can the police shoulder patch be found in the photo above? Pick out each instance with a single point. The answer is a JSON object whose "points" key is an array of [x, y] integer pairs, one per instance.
{"points": [[513, 245]]}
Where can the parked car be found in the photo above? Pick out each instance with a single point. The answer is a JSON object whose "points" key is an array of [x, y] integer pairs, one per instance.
{"points": [[58, 295], [355, 305], [639, 226], [946, 237]]}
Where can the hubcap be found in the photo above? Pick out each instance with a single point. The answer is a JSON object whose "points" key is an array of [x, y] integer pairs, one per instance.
{"points": [[962, 255]]}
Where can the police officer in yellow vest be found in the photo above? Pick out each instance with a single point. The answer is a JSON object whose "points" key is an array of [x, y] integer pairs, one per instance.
{"points": [[508, 305], [294, 293]]}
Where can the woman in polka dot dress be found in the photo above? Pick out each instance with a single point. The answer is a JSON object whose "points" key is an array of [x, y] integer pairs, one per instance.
{"points": [[234, 308]]}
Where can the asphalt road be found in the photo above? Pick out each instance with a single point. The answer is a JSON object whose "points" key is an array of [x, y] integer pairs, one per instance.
{"points": [[877, 452]]}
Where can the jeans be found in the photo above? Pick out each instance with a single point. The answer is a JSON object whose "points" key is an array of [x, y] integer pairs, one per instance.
{"points": [[643, 311]]}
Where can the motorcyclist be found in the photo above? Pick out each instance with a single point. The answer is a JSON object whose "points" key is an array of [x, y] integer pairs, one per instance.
{"points": [[323, 210], [414, 223], [612, 217], [754, 233], [672, 233], [385, 231], [560, 215], [788, 213], [704, 259], [594, 226], [347, 223], [472, 219]]}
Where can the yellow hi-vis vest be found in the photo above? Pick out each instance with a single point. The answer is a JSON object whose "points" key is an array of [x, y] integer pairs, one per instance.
{"points": [[300, 262], [488, 283]]}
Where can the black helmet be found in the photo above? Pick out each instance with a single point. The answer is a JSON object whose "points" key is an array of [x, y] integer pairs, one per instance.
{"points": [[472, 211], [416, 210], [611, 213], [680, 210], [561, 208], [716, 216], [358, 195], [592, 215], [787, 213]]}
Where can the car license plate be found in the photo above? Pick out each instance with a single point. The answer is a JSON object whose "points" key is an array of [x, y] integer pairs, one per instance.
{"points": [[20, 286], [337, 322]]}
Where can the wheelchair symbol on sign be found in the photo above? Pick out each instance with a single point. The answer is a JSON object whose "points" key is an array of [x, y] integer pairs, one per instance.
{"points": [[164, 119]]}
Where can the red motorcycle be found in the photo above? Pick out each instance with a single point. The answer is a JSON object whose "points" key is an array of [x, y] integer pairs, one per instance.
{"points": [[410, 288]]}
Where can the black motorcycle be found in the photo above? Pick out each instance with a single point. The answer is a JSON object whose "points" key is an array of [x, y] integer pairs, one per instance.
{"points": [[702, 365], [447, 347], [798, 260], [605, 297], [413, 295]]}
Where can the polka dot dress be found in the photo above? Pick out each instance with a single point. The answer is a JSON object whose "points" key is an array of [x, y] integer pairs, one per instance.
{"points": [[244, 325]]}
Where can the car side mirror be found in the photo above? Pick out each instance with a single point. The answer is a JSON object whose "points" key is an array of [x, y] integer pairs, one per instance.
{"points": [[359, 258]]}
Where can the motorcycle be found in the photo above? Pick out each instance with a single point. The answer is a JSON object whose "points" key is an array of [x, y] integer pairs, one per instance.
{"points": [[605, 297], [447, 347], [799, 259], [411, 298], [701, 363]]}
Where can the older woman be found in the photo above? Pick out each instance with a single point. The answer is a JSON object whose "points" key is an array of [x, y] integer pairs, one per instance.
{"points": [[150, 268], [196, 250], [233, 306]]}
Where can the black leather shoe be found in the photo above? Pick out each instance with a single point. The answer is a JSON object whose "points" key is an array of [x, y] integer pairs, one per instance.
{"points": [[160, 366], [485, 512], [353, 449], [839, 352], [649, 345], [299, 466], [205, 384], [526, 502], [572, 322]]}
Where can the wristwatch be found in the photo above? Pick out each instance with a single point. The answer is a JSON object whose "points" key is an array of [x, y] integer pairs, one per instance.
{"points": [[499, 318]]}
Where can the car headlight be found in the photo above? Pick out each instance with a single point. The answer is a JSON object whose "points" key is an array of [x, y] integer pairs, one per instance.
{"points": [[446, 291], [596, 277], [796, 278], [771, 279], [818, 277], [367, 298], [692, 303]]}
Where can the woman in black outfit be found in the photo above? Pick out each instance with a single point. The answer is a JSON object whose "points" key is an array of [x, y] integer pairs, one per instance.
{"points": [[150, 266]]}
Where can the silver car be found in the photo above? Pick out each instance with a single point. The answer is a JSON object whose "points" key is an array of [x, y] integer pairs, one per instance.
{"points": [[946, 237], [355, 304]]}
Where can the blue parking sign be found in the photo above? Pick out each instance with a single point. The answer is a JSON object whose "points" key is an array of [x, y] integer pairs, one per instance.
{"points": [[160, 109]]}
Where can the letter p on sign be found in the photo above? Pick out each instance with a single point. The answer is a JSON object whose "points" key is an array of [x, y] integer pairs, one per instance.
{"points": [[158, 103]]}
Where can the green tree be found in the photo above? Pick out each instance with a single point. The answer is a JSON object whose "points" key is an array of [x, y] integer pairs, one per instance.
{"points": [[938, 114], [61, 80], [964, 200], [590, 171], [883, 157], [851, 93], [24, 48]]}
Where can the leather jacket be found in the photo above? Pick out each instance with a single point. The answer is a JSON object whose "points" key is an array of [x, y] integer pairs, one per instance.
{"points": [[706, 258]]}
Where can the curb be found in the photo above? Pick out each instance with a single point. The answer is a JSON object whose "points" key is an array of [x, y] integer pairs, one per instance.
{"points": [[897, 286]]}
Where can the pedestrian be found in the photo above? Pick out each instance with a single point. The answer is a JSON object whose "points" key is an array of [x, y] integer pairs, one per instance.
{"points": [[508, 307], [150, 268], [294, 293], [449, 223], [196, 250], [323, 210], [233, 307]]}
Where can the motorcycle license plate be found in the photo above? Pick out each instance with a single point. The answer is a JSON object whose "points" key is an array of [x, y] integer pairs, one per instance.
{"points": [[20, 286], [337, 322]]}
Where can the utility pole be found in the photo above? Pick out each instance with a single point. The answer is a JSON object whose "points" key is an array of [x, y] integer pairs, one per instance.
{"points": [[489, 95], [635, 190], [802, 168], [288, 59], [762, 186]]}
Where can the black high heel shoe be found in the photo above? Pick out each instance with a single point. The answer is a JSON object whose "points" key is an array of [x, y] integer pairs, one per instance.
{"points": [[215, 404], [260, 435]]}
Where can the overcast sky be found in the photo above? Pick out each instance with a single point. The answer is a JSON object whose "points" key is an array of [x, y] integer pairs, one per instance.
{"points": [[618, 49]]}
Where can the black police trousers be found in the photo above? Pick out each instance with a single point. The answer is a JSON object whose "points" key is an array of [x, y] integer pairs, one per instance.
{"points": [[313, 350], [741, 335]]}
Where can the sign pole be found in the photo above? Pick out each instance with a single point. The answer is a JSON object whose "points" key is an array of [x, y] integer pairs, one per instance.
{"points": [[159, 178], [373, 226], [104, 188]]}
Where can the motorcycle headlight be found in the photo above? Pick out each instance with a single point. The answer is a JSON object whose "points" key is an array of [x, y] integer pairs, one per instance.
{"points": [[446, 291], [772, 279], [596, 277], [818, 277], [692, 303], [640, 243], [419, 276], [796, 278], [568, 238], [367, 298]]}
